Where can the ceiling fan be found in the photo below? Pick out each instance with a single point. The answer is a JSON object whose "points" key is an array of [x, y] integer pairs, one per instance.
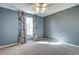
{"points": [[40, 7]]}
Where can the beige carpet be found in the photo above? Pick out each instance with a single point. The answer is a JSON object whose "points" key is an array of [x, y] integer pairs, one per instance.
{"points": [[40, 48]]}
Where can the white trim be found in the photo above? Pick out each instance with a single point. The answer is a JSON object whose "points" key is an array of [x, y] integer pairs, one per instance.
{"points": [[71, 45], [8, 6], [57, 8], [8, 45]]}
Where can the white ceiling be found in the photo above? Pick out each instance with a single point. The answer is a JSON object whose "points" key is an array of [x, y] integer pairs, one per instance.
{"points": [[27, 7]]}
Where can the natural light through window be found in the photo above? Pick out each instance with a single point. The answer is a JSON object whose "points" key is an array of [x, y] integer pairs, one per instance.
{"points": [[29, 25]]}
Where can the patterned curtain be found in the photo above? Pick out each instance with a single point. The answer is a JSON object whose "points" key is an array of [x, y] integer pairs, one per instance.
{"points": [[34, 28], [22, 29]]}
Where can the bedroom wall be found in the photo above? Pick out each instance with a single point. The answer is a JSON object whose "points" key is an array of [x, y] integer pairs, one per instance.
{"points": [[8, 26], [63, 25], [40, 27]]}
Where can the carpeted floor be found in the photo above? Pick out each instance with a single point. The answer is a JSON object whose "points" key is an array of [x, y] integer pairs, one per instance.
{"points": [[40, 48]]}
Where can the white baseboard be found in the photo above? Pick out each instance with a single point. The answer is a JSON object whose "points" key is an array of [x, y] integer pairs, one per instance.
{"points": [[8, 45], [17, 44], [71, 45]]}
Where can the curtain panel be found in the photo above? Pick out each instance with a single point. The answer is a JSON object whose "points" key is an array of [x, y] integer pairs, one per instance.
{"points": [[22, 27], [34, 27]]}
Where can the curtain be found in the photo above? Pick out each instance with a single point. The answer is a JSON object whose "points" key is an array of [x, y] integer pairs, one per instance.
{"points": [[22, 27], [34, 28]]}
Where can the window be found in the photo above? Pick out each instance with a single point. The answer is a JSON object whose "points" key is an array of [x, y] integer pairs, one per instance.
{"points": [[29, 23]]}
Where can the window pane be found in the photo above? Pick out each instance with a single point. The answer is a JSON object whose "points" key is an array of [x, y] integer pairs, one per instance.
{"points": [[29, 23]]}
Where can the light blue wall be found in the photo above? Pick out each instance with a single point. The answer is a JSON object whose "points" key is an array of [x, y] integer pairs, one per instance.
{"points": [[65, 24], [40, 27], [8, 26]]}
